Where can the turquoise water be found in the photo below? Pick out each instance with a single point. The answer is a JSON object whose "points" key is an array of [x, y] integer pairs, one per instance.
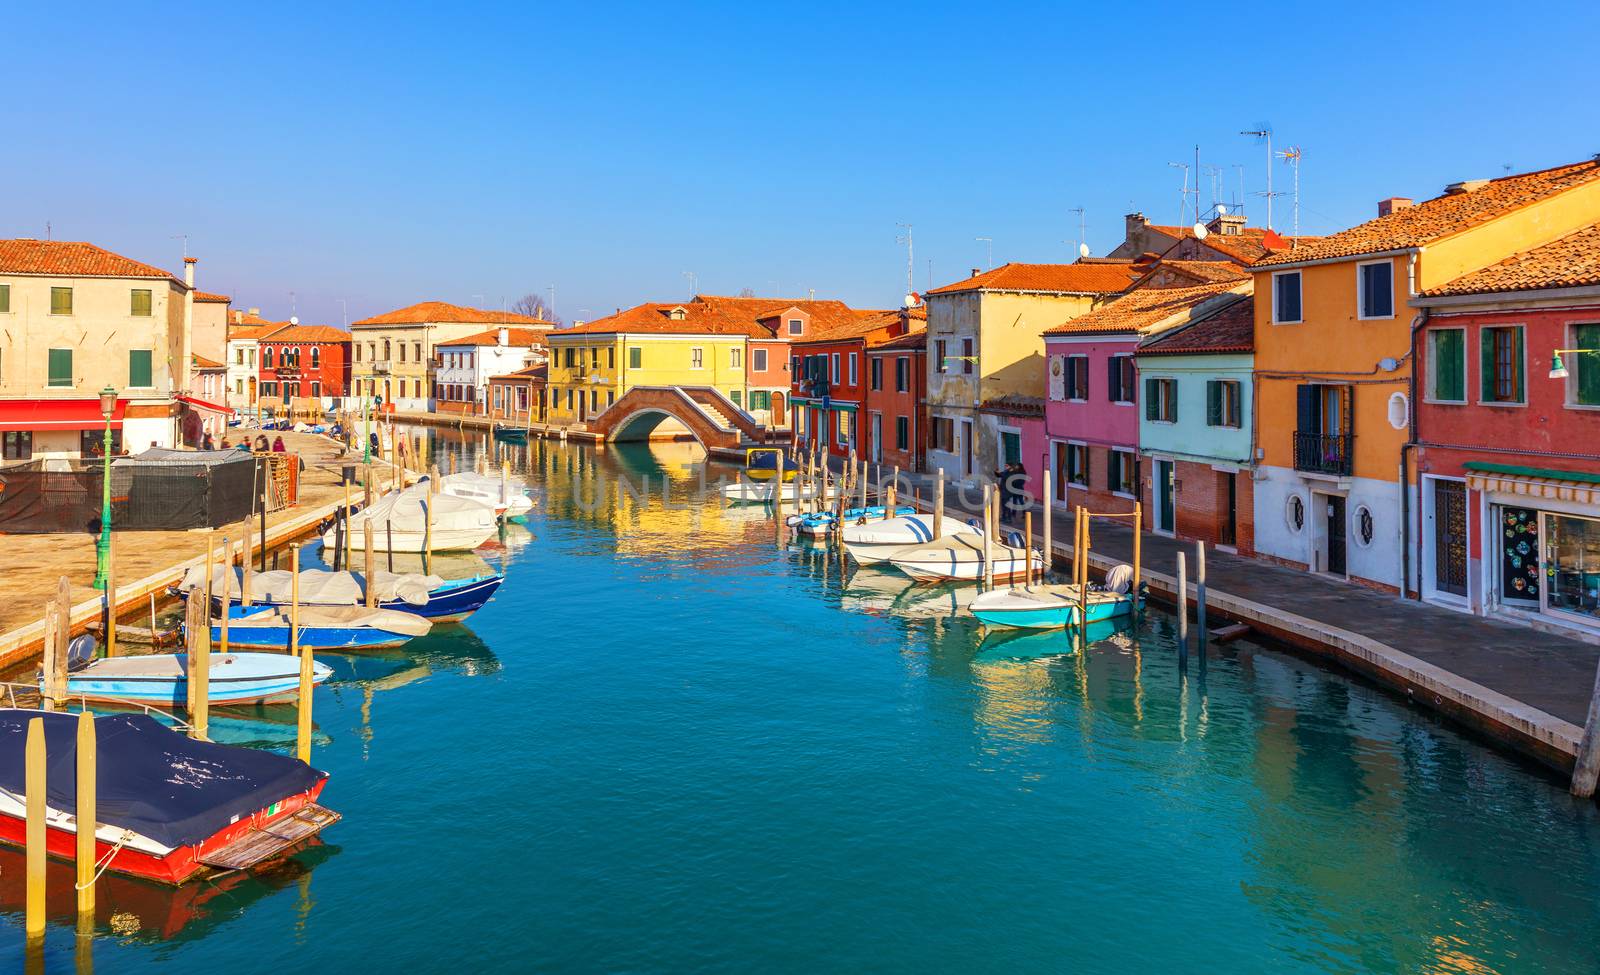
{"points": [[668, 747]]}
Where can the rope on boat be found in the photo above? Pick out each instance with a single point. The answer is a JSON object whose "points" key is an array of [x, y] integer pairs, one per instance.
{"points": [[105, 862]]}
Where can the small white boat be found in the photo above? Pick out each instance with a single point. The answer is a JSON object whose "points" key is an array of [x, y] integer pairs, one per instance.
{"points": [[509, 500], [1050, 607], [162, 679], [398, 523], [747, 493], [960, 558], [876, 541]]}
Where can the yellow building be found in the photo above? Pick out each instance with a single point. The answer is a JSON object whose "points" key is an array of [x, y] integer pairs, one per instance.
{"points": [[1335, 485], [694, 343], [986, 340], [392, 355]]}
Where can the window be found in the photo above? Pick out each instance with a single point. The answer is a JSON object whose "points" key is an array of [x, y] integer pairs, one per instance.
{"points": [[1501, 364], [1077, 464], [796, 326], [902, 374], [386, 354], [833, 366], [18, 445], [611, 357], [1010, 448], [1161, 400], [60, 373], [845, 424], [967, 356], [735, 358], [1122, 473], [738, 398], [635, 357], [417, 346], [1585, 366], [60, 301], [5, 297], [266, 357], [902, 433], [1223, 408], [356, 348], [853, 377], [875, 373], [942, 434], [1119, 379], [758, 360], [570, 357], [1447, 365], [1375, 284], [1364, 525], [1077, 377], [594, 400], [697, 358], [569, 400], [760, 399], [316, 357], [1295, 513], [139, 368], [594, 357], [139, 304], [92, 443], [238, 387], [611, 396], [939, 364], [1286, 297]]}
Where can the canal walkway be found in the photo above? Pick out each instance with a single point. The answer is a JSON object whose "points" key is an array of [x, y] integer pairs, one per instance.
{"points": [[1526, 688]]}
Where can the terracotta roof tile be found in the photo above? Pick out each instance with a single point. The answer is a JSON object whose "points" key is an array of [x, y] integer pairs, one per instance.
{"points": [[538, 373], [306, 333], [71, 258], [1084, 277], [1228, 329], [1246, 247], [1451, 213], [911, 340], [1571, 262], [514, 337], [1014, 404], [1146, 309], [714, 315], [201, 362], [208, 296], [1200, 272], [425, 312]]}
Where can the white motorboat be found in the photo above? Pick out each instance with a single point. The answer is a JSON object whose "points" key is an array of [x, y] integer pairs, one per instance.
{"points": [[747, 492], [400, 523], [876, 541], [960, 558], [509, 499]]}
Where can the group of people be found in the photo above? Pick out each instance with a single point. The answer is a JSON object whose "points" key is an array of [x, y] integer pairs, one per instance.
{"points": [[260, 445]]}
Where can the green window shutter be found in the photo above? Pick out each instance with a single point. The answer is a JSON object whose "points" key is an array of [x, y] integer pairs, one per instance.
{"points": [[635, 357], [1517, 373], [1150, 400], [1486, 365], [1172, 399], [1213, 403], [1449, 369], [5, 297], [141, 302], [735, 396], [1587, 364], [60, 301], [139, 370], [60, 372], [1236, 413]]}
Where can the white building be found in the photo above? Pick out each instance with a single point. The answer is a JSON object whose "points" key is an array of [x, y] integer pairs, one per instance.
{"points": [[461, 377], [245, 329]]}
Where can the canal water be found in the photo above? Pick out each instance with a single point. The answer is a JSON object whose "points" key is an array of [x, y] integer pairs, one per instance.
{"points": [[668, 747]]}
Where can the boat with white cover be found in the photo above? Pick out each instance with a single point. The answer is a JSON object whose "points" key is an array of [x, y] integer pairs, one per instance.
{"points": [[876, 541], [960, 558], [509, 499], [399, 522]]}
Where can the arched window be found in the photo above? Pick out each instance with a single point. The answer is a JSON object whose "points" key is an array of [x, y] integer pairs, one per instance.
{"points": [[266, 357], [386, 348], [316, 358]]}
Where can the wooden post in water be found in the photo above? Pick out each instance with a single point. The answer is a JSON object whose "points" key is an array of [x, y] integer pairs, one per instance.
{"points": [[266, 475], [34, 829], [294, 604], [777, 504], [427, 536], [1586, 771], [1027, 549], [197, 634], [244, 572], [1077, 543], [988, 536], [1049, 552], [85, 812], [1201, 637], [938, 506], [877, 476], [1083, 584], [1138, 537], [1183, 613], [347, 513], [302, 738], [227, 590], [371, 588], [366, 487]]}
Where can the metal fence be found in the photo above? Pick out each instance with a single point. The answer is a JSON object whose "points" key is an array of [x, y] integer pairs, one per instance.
{"points": [[159, 490]]}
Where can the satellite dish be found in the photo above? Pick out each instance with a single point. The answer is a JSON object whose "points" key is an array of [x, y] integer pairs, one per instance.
{"points": [[1083, 250], [1200, 231], [294, 320], [1222, 211]]}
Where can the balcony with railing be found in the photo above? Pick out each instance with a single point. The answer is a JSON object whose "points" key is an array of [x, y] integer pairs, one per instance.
{"points": [[1324, 453], [381, 367]]}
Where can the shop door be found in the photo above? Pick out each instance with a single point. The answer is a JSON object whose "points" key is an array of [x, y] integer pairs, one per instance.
{"points": [[1572, 566], [1450, 537], [1164, 519], [877, 438], [1336, 535]]}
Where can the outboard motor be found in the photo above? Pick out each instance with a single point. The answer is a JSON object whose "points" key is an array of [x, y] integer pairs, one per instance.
{"points": [[80, 652], [1119, 578], [1014, 539]]}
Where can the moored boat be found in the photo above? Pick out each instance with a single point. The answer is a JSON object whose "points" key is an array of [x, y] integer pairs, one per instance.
{"points": [[960, 558], [162, 679], [321, 628], [510, 434], [1046, 607], [746, 492], [170, 808], [428, 596], [509, 499], [761, 465], [822, 522], [400, 524], [876, 541]]}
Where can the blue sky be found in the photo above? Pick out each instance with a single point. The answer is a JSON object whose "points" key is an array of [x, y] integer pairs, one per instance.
{"points": [[389, 153]]}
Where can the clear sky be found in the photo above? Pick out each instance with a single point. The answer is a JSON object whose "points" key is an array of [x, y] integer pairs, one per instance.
{"points": [[389, 153]]}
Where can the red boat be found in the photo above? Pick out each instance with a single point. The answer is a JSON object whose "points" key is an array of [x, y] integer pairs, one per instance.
{"points": [[169, 808]]}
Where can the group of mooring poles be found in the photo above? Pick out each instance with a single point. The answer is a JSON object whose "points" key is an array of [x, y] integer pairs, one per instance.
{"points": [[34, 830], [1202, 635]]}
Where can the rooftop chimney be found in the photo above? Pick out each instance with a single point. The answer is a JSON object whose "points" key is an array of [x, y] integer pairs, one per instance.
{"points": [[1393, 203], [256, 312], [976, 271]]}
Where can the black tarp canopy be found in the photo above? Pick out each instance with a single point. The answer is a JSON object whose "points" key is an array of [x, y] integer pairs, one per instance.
{"points": [[151, 779]]}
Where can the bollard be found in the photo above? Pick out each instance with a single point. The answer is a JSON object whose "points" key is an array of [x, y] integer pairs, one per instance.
{"points": [[371, 588], [1183, 613], [34, 830], [1201, 637], [938, 506], [85, 812]]}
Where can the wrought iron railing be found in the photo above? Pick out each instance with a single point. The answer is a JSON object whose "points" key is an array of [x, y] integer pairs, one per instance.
{"points": [[1323, 453]]}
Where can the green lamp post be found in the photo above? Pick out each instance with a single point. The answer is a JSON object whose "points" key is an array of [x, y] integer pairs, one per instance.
{"points": [[108, 406]]}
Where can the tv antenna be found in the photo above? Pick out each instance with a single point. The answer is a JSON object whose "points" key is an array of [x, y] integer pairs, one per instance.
{"points": [[1083, 245], [1292, 156], [988, 243], [1265, 133], [1183, 194], [185, 239], [1238, 204], [1215, 172], [905, 239], [693, 287]]}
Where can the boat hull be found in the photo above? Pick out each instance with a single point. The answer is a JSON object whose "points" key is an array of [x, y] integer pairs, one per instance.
{"points": [[450, 603], [1007, 569], [511, 434], [173, 694], [175, 867], [412, 540], [1050, 615], [243, 636]]}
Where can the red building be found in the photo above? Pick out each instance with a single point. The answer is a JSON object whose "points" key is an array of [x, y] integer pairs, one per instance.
{"points": [[829, 370], [897, 409], [303, 361], [1508, 451]]}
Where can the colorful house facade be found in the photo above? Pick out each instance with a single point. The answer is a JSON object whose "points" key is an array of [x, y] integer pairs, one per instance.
{"points": [[1509, 440], [519, 397], [305, 363], [1335, 489], [986, 342], [393, 354], [897, 416], [1092, 413], [830, 370], [465, 366], [1196, 426]]}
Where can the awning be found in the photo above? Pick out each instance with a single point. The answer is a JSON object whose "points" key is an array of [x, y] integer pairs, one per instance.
{"points": [[1536, 482], [202, 404], [57, 414]]}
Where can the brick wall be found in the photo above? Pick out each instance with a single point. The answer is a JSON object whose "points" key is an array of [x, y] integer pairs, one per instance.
{"points": [[1200, 503]]}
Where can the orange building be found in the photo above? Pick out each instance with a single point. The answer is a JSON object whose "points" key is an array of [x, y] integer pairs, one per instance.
{"points": [[1334, 339]]}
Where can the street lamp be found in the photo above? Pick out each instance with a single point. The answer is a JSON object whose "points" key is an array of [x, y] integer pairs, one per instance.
{"points": [[1558, 369], [108, 406]]}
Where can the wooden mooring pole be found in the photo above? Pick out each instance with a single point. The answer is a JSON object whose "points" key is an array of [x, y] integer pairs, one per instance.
{"points": [[1202, 636], [938, 506], [1049, 553], [34, 827], [86, 814], [1183, 613], [370, 587], [1586, 771]]}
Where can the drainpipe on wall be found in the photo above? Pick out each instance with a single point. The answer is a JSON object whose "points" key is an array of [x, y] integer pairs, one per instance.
{"points": [[1407, 449]]}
